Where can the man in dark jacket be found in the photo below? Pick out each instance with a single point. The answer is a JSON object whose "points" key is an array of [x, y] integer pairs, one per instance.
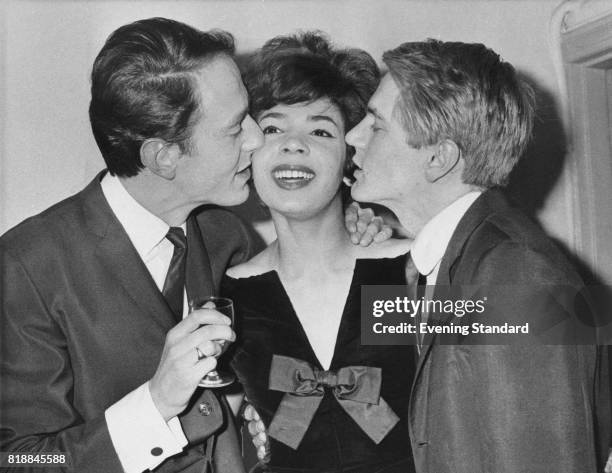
{"points": [[446, 127], [101, 358]]}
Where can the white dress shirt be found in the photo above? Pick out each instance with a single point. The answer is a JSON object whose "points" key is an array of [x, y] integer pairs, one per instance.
{"points": [[431, 242], [134, 423]]}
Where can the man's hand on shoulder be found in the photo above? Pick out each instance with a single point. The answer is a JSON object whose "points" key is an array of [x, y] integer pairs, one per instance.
{"points": [[364, 226]]}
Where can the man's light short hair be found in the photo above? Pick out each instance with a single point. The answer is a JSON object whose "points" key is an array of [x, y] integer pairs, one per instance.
{"points": [[467, 94]]}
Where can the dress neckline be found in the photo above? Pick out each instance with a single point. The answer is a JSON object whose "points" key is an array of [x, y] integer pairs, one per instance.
{"points": [[286, 306], [341, 326]]}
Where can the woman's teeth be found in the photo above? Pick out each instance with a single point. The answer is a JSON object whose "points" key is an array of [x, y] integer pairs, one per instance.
{"points": [[293, 175]]}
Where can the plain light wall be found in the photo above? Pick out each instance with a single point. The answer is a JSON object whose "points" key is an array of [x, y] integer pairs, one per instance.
{"points": [[47, 48]]}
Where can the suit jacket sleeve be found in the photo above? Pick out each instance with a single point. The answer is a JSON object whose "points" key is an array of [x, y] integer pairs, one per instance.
{"points": [[38, 414]]}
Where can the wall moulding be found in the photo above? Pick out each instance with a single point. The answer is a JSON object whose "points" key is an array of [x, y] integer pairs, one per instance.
{"points": [[586, 52]]}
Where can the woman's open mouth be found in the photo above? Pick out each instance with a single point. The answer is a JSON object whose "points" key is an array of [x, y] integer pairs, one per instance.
{"points": [[292, 176]]}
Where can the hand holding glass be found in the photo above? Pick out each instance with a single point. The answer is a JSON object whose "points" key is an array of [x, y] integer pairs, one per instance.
{"points": [[216, 379]]}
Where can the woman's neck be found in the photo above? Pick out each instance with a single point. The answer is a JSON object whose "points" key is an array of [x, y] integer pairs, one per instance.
{"points": [[318, 242]]}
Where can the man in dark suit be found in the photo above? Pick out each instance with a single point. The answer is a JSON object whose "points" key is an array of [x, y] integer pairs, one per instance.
{"points": [[100, 355], [445, 128]]}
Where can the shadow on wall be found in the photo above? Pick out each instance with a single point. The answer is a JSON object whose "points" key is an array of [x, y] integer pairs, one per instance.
{"points": [[541, 166], [538, 172]]}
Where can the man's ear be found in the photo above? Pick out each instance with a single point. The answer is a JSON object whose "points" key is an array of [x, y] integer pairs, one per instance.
{"points": [[446, 159], [160, 157]]}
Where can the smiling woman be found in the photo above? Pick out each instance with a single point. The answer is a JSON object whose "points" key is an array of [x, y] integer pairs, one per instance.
{"points": [[297, 302]]}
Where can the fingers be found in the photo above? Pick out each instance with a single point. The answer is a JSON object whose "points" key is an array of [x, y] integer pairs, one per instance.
{"points": [[257, 430], [262, 452], [252, 426], [176, 379], [256, 427], [201, 367], [366, 216], [195, 319], [187, 356], [351, 216], [215, 333], [260, 439], [209, 348], [364, 226], [181, 357], [356, 221], [205, 365], [375, 231], [250, 413], [384, 234], [208, 339], [371, 231]]}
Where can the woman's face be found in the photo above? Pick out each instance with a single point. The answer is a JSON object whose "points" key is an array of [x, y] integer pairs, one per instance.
{"points": [[299, 169]]}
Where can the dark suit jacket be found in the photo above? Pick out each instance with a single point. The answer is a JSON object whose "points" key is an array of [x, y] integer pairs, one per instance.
{"points": [[508, 408], [83, 324]]}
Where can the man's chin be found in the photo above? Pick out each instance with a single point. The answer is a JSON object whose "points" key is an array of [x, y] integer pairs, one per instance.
{"points": [[236, 198], [241, 199], [358, 192]]}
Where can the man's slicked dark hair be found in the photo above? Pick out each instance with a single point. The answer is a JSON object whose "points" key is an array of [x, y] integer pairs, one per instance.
{"points": [[142, 86], [468, 94], [304, 68]]}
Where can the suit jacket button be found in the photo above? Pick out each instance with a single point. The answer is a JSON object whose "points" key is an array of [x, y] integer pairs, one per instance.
{"points": [[156, 451], [205, 409]]}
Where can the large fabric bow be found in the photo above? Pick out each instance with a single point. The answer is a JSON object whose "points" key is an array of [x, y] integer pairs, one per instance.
{"points": [[357, 389]]}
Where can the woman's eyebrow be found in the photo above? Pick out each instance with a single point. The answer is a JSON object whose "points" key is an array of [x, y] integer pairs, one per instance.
{"points": [[327, 118], [272, 115]]}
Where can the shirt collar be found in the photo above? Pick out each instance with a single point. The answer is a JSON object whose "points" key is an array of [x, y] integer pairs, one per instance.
{"points": [[144, 229], [430, 244]]}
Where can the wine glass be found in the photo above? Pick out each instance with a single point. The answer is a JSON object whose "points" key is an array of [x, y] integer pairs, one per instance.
{"points": [[215, 378]]}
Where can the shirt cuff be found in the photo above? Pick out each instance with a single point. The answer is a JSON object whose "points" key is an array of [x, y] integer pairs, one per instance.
{"points": [[141, 437]]}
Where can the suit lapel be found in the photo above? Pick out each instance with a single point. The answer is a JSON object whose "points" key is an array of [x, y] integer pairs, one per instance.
{"points": [[118, 256], [486, 204], [199, 280]]}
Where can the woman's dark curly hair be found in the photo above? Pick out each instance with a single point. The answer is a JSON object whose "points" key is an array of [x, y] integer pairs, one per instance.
{"points": [[305, 67]]}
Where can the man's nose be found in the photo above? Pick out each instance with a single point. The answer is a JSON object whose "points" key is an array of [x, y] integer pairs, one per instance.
{"points": [[357, 137], [254, 136]]}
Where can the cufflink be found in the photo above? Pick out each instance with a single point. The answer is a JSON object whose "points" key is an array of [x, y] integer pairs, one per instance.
{"points": [[204, 409], [156, 451]]}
